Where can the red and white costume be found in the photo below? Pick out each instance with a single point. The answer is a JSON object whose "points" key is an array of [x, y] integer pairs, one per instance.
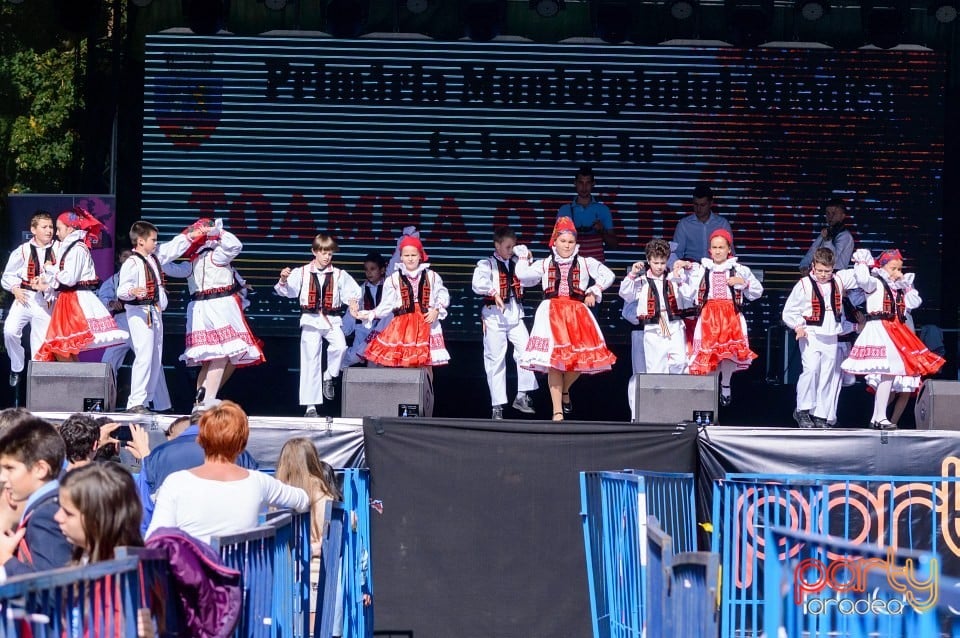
{"points": [[145, 321], [565, 334], [500, 327], [324, 296], [886, 345], [818, 307], [408, 341], [720, 333], [216, 326], [79, 321], [25, 263], [658, 305]]}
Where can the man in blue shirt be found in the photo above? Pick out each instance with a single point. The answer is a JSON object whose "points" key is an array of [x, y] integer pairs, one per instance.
{"points": [[692, 234], [593, 220], [835, 236]]}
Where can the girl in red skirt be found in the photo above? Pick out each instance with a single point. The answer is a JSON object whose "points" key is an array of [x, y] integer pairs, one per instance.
{"points": [[565, 341], [718, 285], [417, 298], [79, 320], [886, 349]]}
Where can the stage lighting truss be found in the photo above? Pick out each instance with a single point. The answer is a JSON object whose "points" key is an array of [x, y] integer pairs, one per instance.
{"points": [[944, 11], [812, 10], [681, 9], [547, 8]]}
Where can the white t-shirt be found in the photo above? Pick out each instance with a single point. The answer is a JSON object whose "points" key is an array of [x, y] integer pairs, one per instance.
{"points": [[204, 507]]}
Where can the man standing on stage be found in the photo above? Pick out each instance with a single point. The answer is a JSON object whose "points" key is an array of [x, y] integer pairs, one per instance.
{"points": [[834, 236], [693, 231], [593, 220]]}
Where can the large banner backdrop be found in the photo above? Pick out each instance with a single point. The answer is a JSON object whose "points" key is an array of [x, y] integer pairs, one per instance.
{"points": [[284, 137]]}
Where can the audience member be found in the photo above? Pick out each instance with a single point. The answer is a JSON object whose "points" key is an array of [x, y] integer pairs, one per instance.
{"points": [[81, 435], [692, 235], [220, 497], [9, 509], [300, 466], [593, 219], [99, 511], [31, 457], [181, 452]]}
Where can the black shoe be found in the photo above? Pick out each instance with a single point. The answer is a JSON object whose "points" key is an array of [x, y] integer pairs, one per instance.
{"points": [[566, 406], [139, 409], [802, 417], [201, 394], [497, 413], [14, 379], [328, 390], [885, 424], [820, 422]]}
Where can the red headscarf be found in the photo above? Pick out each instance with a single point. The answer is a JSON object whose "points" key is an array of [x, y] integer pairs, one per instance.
{"points": [[563, 225], [410, 240], [722, 232], [80, 219], [887, 256]]}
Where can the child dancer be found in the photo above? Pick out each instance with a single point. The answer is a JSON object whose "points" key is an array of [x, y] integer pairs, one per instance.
{"points": [[886, 348], [718, 286], [324, 293], [218, 338], [502, 320], [300, 465], [814, 311], [374, 271], [658, 310], [565, 341], [79, 321], [25, 264], [107, 294], [417, 298], [142, 289]]}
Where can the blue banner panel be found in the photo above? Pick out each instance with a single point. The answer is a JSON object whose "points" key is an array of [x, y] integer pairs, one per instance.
{"points": [[284, 137]]}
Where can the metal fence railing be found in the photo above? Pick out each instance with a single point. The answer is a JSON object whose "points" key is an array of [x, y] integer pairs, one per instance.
{"points": [[614, 509], [823, 586], [881, 511]]}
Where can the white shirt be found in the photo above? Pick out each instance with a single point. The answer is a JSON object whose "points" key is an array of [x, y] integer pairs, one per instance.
{"points": [[204, 508]]}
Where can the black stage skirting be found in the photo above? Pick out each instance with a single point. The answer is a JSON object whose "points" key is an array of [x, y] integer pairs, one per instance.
{"points": [[481, 535]]}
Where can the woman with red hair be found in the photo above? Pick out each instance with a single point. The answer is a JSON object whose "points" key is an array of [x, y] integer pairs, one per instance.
{"points": [[565, 341], [79, 320], [717, 287]]}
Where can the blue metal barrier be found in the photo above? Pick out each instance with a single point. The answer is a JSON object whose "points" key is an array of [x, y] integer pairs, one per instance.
{"points": [[897, 511], [823, 586], [356, 568], [291, 573], [330, 561], [681, 589], [614, 509], [252, 554], [73, 602]]}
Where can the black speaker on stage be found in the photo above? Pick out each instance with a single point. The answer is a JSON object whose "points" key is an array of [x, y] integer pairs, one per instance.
{"points": [[392, 392], [672, 398], [938, 405], [70, 387]]}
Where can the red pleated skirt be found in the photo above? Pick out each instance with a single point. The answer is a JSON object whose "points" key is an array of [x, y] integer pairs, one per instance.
{"points": [[721, 333]]}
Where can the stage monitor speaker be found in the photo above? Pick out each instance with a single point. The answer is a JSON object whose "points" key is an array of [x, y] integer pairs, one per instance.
{"points": [[938, 405], [70, 387], [389, 392], [673, 398]]}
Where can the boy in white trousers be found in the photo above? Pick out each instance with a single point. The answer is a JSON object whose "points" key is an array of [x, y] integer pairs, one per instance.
{"points": [[495, 279], [141, 286], [814, 311], [325, 293], [25, 264]]}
